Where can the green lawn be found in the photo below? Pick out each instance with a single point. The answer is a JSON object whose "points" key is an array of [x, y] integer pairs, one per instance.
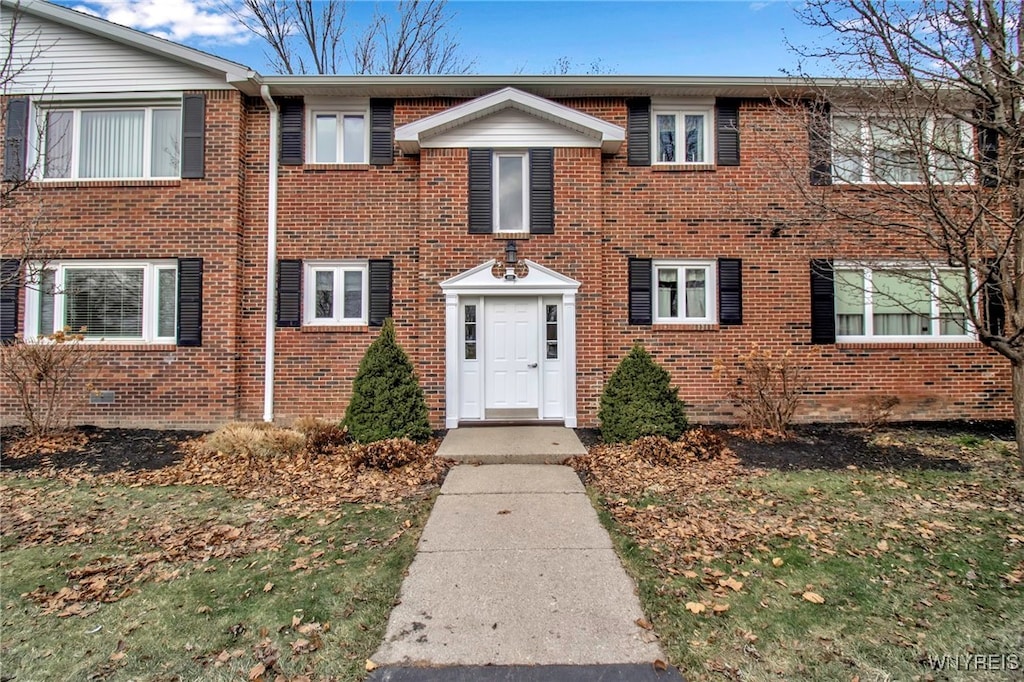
{"points": [[912, 565], [107, 582]]}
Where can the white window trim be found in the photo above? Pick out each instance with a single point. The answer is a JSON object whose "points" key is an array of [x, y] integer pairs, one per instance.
{"points": [[867, 169], [340, 113], [711, 291], [41, 112], [150, 299], [496, 190], [680, 110], [339, 268], [934, 337]]}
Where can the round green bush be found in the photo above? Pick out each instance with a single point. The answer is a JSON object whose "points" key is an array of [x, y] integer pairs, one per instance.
{"points": [[638, 401], [387, 400]]}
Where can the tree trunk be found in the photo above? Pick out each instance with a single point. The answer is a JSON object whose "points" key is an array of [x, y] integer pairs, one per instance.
{"points": [[1018, 407]]}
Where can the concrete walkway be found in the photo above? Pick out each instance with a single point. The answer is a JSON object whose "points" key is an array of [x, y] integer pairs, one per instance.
{"points": [[514, 569], [511, 445]]}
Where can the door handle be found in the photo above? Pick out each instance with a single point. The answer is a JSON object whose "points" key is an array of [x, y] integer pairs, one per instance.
{"points": [[532, 365]]}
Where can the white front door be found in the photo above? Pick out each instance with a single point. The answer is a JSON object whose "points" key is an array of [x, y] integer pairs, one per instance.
{"points": [[511, 358]]}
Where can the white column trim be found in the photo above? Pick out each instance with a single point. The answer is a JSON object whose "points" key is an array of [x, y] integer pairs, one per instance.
{"points": [[451, 360], [569, 327]]}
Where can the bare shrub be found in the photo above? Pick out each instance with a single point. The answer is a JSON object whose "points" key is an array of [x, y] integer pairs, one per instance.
{"points": [[768, 388], [386, 455], [321, 436], [49, 378], [877, 410], [254, 440]]}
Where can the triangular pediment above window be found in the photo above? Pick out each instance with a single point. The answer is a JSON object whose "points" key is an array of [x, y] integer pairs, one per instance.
{"points": [[510, 118]]}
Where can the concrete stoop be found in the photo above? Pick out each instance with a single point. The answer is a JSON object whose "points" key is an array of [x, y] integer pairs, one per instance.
{"points": [[511, 445]]}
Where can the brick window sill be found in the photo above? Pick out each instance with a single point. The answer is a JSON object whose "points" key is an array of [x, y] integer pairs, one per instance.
{"points": [[131, 347], [335, 329], [683, 167], [334, 167], [909, 345], [72, 184], [684, 327]]}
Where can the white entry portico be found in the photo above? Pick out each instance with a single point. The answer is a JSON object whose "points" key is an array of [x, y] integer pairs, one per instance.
{"points": [[510, 346]]}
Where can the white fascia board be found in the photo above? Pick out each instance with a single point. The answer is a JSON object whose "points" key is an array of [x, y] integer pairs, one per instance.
{"points": [[408, 136], [233, 72]]}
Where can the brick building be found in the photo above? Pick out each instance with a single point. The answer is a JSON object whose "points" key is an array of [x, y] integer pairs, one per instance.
{"points": [[233, 241]]}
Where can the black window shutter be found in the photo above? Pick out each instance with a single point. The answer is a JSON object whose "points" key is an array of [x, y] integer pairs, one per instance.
{"points": [[823, 303], [995, 311], [727, 135], [481, 205], [292, 149], [382, 132], [289, 293], [730, 291], [542, 191], [9, 279], [16, 141], [819, 132], [380, 291], [193, 132], [638, 131], [190, 301], [640, 301], [988, 149]]}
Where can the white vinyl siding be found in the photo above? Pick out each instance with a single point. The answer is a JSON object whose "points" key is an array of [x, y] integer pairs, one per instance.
{"points": [[510, 129], [106, 301], [899, 303], [74, 61]]}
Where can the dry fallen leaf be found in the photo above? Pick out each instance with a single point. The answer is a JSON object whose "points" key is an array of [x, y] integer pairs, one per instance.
{"points": [[370, 666], [720, 608], [695, 607], [776, 562], [257, 671], [731, 583], [644, 623], [814, 597], [268, 587], [660, 665], [882, 546]]}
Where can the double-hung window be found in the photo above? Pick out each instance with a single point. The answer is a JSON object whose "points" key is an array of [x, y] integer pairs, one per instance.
{"points": [[121, 301], [900, 303], [511, 192], [682, 135], [124, 142], [890, 150], [339, 136], [336, 293], [684, 292]]}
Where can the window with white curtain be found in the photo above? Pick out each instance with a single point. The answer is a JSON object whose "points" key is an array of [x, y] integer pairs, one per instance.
{"points": [[889, 303], [105, 300], [683, 135], [684, 292], [112, 143], [336, 293]]}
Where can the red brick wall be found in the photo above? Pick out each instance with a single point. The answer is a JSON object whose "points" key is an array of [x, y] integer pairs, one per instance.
{"points": [[160, 385], [415, 212]]}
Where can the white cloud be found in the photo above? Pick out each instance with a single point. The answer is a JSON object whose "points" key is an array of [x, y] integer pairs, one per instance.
{"points": [[758, 6], [195, 21]]}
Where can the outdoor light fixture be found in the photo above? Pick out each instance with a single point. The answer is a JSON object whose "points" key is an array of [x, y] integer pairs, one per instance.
{"points": [[511, 258]]}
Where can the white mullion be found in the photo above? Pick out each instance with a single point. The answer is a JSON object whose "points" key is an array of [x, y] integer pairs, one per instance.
{"points": [[76, 139], [339, 139], [869, 303], [149, 302], [936, 325], [147, 142], [339, 295]]}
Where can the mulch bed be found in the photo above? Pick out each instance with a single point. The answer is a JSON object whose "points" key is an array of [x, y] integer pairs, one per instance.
{"points": [[99, 451]]}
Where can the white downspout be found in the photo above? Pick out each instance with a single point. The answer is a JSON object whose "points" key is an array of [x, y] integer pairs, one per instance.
{"points": [[268, 370]]}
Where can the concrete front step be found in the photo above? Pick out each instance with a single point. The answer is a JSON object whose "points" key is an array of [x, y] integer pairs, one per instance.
{"points": [[511, 445], [637, 672]]}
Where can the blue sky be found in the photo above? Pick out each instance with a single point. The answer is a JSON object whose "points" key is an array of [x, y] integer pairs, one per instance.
{"points": [[507, 36]]}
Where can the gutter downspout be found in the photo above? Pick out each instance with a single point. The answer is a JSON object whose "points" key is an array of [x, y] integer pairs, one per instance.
{"points": [[268, 370]]}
